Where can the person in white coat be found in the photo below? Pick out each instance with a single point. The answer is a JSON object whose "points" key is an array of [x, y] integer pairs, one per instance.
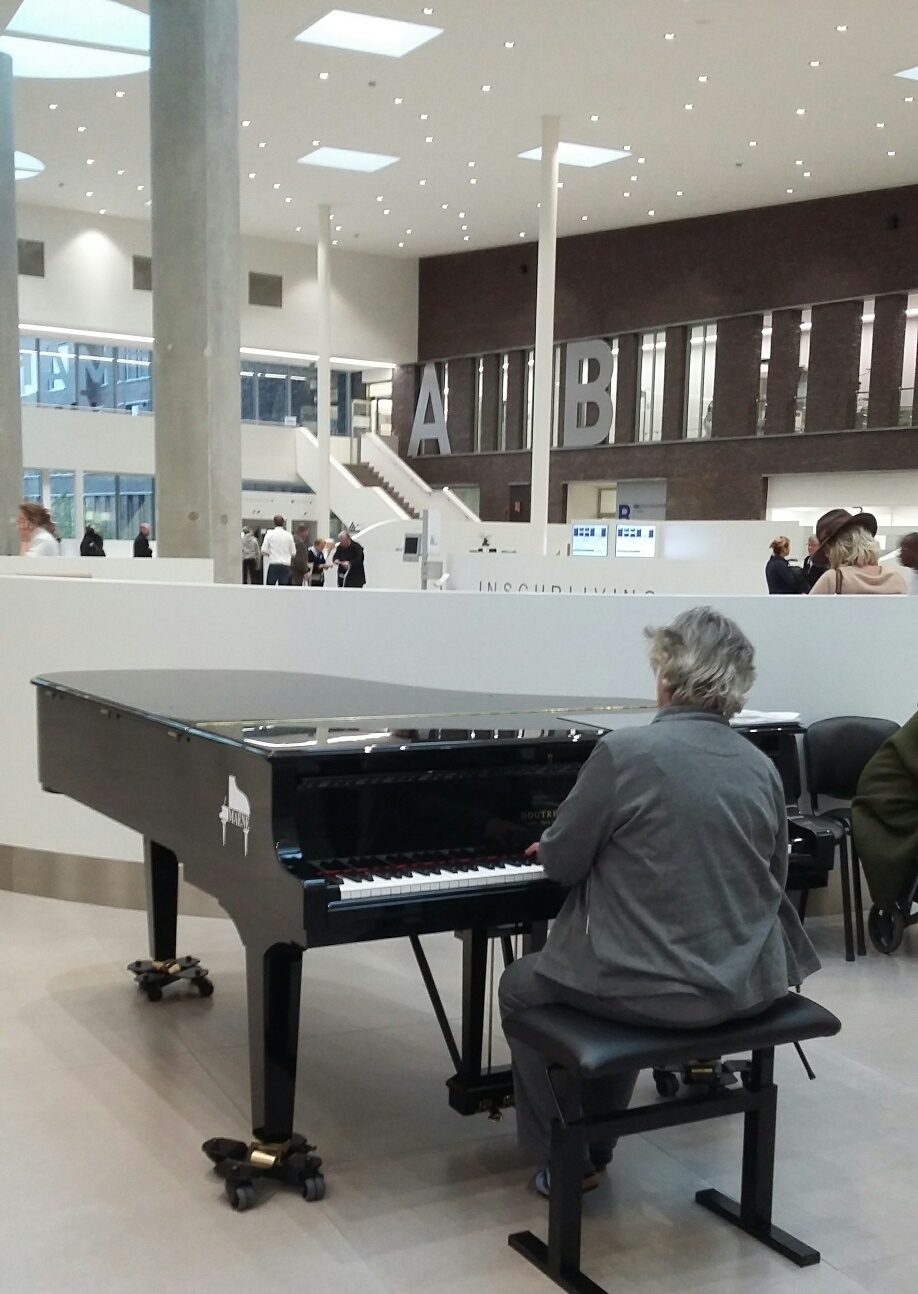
{"points": [[36, 531]]}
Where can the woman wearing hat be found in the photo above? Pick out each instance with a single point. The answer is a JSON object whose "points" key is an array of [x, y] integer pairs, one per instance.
{"points": [[848, 542]]}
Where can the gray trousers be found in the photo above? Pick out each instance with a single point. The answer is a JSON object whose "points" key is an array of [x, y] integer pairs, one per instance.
{"points": [[521, 985]]}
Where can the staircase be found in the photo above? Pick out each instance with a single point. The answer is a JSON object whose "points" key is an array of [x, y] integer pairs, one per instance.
{"points": [[367, 475]]}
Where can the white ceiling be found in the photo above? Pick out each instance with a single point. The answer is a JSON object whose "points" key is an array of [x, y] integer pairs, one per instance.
{"points": [[577, 58]]}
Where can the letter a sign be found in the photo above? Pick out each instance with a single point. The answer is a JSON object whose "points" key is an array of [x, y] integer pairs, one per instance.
{"points": [[433, 428]]}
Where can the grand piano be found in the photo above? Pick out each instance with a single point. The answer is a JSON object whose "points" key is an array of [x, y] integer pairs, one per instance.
{"points": [[323, 811]]}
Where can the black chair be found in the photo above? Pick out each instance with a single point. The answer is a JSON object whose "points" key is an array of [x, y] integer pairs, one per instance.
{"points": [[836, 752], [579, 1048]]}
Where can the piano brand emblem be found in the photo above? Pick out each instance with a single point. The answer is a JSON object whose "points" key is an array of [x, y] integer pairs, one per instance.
{"points": [[236, 812]]}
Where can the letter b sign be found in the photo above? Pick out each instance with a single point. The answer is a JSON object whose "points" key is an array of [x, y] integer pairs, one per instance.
{"points": [[578, 391]]}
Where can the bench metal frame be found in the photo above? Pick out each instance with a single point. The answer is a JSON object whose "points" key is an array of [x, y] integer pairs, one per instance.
{"points": [[571, 1132]]}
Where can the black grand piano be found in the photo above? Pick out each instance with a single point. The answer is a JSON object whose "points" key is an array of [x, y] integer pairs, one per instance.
{"points": [[323, 811]]}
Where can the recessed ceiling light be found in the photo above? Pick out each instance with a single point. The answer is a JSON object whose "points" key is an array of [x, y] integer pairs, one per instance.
{"points": [[263, 143], [651, 212], [247, 122], [277, 186], [424, 116], [584, 217], [89, 193], [689, 107], [753, 143], [401, 244], [120, 172], [807, 174], [670, 35], [642, 160], [678, 193], [337, 229], [348, 159], [119, 94], [594, 117], [814, 62], [102, 211], [368, 34], [842, 27], [485, 88], [801, 111], [288, 199], [149, 202], [444, 206], [522, 233], [703, 79], [298, 229], [379, 197], [323, 76], [140, 188], [634, 179], [473, 181], [53, 107], [90, 161], [891, 153], [386, 210], [560, 184], [799, 162], [251, 175], [578, 155], [334, 242], [626, 195], [422, 183], [471, 163], [508, 44], [428, 139], [428, 10], [881, 125], [81, 129], [409, 231], [461, 215], [465, 226], [788, 190], [909, 98], [626, 147], [465, 238]]}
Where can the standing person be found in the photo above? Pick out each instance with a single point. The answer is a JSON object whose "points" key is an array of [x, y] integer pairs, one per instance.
{"points": [[349, 559], [250, 554], [260, 563], [673, 848], [279, 550], [92, 544], [37, 537], [780, 576], [848, 542], [142, 541], [813, 567], [317, 559], [299, 567], [908, 560]]}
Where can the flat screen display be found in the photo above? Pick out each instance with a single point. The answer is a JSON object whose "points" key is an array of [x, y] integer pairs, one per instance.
{"points": [[590, 539], [635, 541]]}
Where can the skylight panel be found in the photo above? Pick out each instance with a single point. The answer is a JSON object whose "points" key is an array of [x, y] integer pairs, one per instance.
{"points": [[366, 34]]}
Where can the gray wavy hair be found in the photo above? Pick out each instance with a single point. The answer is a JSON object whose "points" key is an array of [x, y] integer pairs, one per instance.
{"points": [[854, 547], [704, 659]]}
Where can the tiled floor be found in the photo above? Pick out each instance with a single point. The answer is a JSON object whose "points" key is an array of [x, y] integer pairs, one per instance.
{"points": [[105, 1100]]}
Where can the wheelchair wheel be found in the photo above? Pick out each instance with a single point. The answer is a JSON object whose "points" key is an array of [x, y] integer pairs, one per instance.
{"points": [[885, 928]]}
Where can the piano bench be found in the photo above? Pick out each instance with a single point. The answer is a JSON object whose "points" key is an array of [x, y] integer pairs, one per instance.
{"points": [[581, 1047]]}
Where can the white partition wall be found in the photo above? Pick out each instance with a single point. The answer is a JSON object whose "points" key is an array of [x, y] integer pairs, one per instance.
{"points": [[819, 656]]}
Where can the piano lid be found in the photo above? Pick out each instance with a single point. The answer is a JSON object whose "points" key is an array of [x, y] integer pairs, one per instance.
{"points": [[276, 711]]}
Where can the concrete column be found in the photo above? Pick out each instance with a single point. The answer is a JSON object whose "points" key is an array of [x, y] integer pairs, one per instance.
{"points": [[322, 485], [10, 407], [545, 331], [194, 151]]}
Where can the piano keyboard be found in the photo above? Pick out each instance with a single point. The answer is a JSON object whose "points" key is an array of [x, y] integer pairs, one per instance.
{"points": [[360, 884]]}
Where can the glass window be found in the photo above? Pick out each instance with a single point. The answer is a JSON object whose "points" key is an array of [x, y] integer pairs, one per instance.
{"points": [[62, 503], [272, 395], [806, 324], [95, 376], [303, 396], [479, 403], [56, 372], [530, 395], [28, 370], [502, 407], [557, 371], [31, 484], [100, 503], [133, 379], [650, 404], [907, 389], [340, 403], [135, 504], [701, 359], [863, 372], [248, 395], [764, 361]]}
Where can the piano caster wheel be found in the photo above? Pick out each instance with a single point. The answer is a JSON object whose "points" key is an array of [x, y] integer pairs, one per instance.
{"points": [[154, 976], [205, 987], [314, 1189], [153, 992], [885, 929], [667, 1084], [241, 1196]]}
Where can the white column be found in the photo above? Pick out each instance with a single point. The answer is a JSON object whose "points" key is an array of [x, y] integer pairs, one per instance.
{"points": [[544, 332], [10, 407], [322, 485], [194, 168]]}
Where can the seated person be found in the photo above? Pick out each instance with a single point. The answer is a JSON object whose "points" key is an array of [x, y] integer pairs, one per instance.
{"points": [[673, 845], [884, 818]]}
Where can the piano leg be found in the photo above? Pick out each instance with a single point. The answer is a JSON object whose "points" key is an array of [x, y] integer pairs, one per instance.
{"points": [[273, 977], [470, 1090], [161, 874]]}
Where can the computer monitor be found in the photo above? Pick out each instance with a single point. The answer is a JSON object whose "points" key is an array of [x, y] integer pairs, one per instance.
{"points": [[411, 551], [635, 541], [590, 539]]}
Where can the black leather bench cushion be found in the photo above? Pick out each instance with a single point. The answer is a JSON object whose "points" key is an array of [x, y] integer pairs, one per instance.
{"points": [[596, 1047]]}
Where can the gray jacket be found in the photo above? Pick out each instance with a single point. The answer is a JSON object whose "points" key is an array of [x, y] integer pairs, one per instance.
{"points": [[674, 845]]}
